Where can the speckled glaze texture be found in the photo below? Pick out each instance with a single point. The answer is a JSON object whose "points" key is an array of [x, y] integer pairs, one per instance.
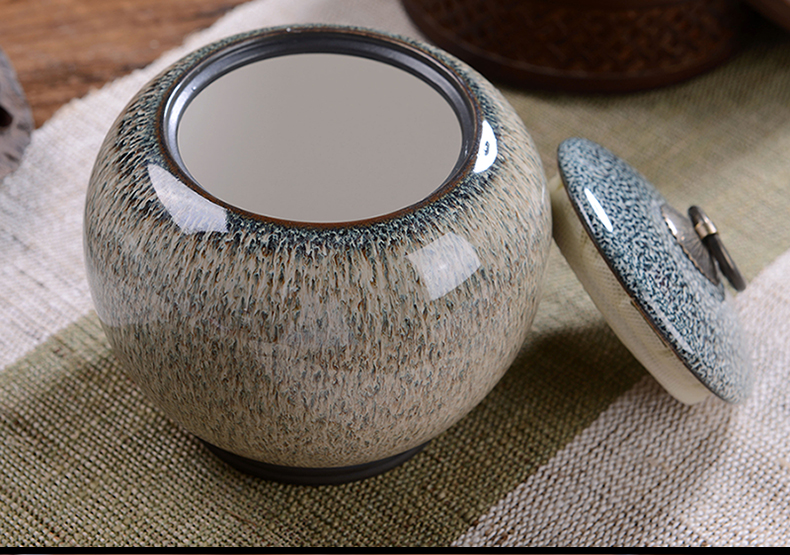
{"points": [[316, 345], [622, 213]]}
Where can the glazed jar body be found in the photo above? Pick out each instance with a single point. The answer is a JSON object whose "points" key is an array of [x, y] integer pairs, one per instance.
{"points": [[316, 345]]}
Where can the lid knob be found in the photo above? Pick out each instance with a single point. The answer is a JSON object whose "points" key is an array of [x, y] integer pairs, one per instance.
{"points": [[709, 235], [699, 238]]}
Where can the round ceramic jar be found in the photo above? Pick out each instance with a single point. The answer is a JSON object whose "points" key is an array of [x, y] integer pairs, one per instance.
{"points": [[316, 352]]}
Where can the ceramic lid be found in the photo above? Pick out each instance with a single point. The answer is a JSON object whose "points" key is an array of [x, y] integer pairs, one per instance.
{"points": [[650, 271]]}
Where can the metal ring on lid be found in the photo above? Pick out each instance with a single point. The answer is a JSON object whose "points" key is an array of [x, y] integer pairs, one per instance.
{"points": [[709, 235]]}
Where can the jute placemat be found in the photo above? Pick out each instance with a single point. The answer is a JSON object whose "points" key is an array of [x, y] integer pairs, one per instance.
{"points": [[576, 446]]}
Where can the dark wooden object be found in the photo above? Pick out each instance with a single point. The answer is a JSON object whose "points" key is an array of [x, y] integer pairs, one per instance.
{"points": [[584, 45]]}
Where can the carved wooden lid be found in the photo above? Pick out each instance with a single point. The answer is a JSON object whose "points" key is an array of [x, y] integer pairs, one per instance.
{"points": [[590, 46]]}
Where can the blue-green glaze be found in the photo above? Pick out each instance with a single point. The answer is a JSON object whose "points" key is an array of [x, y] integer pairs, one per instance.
{"points": [[316, 345], [622, 213]]}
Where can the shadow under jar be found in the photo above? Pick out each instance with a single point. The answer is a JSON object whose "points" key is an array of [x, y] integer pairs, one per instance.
{"points": [[317, 248]]}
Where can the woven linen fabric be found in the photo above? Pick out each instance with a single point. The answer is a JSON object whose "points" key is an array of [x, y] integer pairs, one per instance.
{"points": [[576, 446]]}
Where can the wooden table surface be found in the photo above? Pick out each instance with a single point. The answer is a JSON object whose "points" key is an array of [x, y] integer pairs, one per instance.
{"points": [[61, 49]]}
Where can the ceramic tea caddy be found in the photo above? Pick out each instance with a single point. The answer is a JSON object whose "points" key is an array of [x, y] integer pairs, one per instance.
{"points": [[328, 346], [329, 349]]}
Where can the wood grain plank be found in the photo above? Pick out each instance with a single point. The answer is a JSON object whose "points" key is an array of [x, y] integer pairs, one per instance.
{"points": [[61, 49]]}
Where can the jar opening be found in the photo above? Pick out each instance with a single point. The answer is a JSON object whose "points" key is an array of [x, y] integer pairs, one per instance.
{"points": [[323, 127]]}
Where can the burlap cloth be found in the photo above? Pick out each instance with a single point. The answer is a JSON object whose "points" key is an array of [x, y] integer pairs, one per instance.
{"points": [[576, 446]]}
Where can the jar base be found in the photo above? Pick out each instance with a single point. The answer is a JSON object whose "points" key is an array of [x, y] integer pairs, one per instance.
{"points": [[312, 476]]}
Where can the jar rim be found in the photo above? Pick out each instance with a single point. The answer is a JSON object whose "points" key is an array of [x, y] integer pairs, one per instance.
{"points": [[245, 49]]}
